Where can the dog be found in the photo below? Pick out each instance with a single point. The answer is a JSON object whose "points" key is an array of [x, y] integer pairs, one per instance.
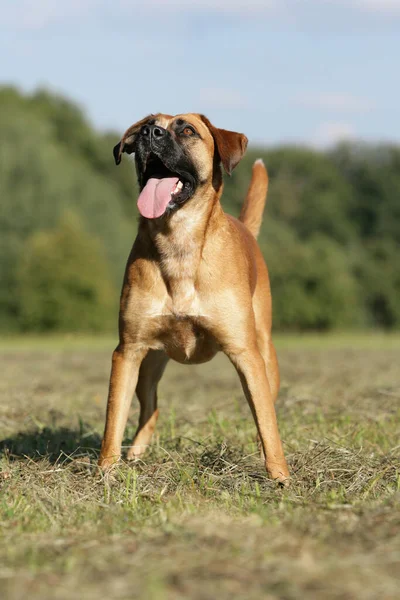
{"points": [[195, 283]]}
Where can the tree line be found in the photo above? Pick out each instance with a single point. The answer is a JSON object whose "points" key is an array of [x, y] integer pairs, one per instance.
{"points": [[331, 230]]}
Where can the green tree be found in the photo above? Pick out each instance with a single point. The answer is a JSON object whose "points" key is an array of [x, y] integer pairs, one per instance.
{"points": [[64, 281], [331, 230], [313, 287], [39, 181], [378, 272]]}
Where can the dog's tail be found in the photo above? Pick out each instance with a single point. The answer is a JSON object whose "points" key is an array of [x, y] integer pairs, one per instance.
{"points": [[253, 207]]}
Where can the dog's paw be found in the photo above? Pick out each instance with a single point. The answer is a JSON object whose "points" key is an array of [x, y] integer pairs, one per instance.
{"points": [[136, 452], [279, 473], [106, 463]]}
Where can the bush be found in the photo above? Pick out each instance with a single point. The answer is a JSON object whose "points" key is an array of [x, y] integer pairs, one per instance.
{"points": [[64, 283], [312, 283], [379, 277]]}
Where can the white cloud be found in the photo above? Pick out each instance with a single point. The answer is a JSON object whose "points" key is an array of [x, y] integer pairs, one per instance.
{"points": [[329, 134], [26, 14], [31, 15], [262, 6], [221, 6], [337, 102], [221, 98], [381, 6]]}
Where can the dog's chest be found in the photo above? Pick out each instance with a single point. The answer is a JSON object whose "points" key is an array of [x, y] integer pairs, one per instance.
{"points": [[186, 340], [184, 332], [178, 325]]}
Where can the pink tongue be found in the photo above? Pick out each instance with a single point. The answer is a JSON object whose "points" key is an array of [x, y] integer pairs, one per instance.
{"points": [[155, 196]]}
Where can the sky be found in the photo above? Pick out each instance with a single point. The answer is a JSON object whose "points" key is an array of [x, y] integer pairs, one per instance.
{"points": [[282, 71]]}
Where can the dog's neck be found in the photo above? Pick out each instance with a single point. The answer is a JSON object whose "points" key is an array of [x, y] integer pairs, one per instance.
{"points": [[177, 242]]}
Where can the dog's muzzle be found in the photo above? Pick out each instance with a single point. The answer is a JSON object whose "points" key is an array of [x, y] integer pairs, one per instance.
{"points": [[154, 134]]}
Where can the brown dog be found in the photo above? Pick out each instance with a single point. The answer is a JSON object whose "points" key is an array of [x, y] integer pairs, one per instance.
{"points": [[195, 283]]}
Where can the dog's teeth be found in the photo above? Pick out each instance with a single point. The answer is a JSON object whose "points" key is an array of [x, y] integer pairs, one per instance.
{"points": [[177, 188]]}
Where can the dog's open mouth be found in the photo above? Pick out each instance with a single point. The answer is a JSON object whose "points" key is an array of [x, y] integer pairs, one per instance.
{"points": [[163, 189]]}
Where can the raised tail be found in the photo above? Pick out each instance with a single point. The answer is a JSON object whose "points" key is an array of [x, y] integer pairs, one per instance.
{"points": [[253, 206]]}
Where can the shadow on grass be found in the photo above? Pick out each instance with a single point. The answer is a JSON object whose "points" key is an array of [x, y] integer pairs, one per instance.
{"points": [[52, 443]]}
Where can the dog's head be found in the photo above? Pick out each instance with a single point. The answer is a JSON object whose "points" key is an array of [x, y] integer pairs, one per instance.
{"points": [[177, 158]]}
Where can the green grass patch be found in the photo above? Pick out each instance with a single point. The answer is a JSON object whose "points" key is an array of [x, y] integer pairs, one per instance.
{"points": [[197, 517]]}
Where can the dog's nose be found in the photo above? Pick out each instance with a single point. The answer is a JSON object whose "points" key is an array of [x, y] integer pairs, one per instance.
{"points": [[153, 131], [158, 131]]}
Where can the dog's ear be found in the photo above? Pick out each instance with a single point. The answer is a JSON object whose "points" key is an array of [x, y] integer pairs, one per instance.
{"points": [[230, 145], [126, 144]]}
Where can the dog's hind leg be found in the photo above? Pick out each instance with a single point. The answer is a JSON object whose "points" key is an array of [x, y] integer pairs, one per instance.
{"points": [[268, 352], [150, 373]]}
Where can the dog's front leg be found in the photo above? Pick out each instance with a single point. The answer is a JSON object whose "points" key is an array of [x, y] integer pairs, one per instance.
{"points": [[126, 362], [251, 369]]}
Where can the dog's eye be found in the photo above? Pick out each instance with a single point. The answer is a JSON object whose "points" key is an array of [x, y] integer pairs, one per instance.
{"points": [[188, 131]]}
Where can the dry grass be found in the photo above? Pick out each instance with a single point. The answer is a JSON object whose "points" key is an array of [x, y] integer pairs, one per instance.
{"points": [[197, 518]]}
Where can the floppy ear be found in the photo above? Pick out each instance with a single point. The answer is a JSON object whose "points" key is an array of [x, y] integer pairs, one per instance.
{"points": [[127, 141], [230, 145]]}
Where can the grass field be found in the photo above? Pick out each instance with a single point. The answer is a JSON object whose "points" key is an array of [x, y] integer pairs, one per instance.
{"points": [[197, 518]]}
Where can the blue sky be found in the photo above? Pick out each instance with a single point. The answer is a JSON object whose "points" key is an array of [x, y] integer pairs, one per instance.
{"points": [[302, 71]]}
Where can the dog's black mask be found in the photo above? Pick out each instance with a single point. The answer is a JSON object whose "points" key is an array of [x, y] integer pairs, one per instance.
{"points": [[159, 155], [166, 172]]}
